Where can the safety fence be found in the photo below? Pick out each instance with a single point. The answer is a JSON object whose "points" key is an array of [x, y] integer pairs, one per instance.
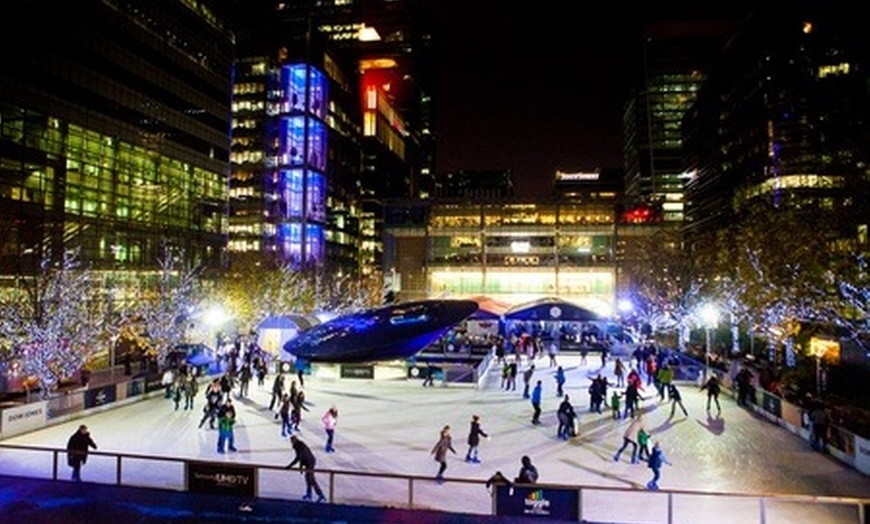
{"points": [[579, 503]]}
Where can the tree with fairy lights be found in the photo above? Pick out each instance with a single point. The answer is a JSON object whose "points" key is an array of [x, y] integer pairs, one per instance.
{"points": [[166, 307], [56, 323], [254, 292], [782, 261], [664, 290]]}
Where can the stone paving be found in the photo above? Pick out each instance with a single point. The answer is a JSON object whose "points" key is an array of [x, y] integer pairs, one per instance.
{"points": [[390, 426]]}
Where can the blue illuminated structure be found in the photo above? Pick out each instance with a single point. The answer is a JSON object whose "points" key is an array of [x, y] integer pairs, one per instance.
{"points": [[298, 180], [393, 332]]}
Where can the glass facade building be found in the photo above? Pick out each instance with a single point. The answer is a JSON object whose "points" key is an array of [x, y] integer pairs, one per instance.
{"points": [[113, 133], [674, 62], [510, 251]]}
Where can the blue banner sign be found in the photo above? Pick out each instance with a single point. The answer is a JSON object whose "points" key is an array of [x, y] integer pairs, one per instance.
{"points": [[537, 501], [99, 396]]}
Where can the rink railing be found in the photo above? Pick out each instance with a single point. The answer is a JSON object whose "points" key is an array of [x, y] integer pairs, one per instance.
{"points": [[470, 496]]}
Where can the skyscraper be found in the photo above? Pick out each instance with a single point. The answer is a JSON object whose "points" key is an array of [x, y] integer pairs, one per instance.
{"points": [[676, 56], [114, 136], [370, 54], [783, 122]]}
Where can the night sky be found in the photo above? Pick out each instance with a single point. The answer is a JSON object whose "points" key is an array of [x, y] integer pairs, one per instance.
{"points": [[531, 91], [539, 87]]}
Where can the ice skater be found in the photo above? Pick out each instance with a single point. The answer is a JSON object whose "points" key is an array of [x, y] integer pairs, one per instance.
{"points": [[474, 434], [656, 460]]}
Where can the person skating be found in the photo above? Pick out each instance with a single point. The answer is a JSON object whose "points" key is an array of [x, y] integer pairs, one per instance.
{"points": [[307, 462], [444, 444], [566, 416], [560, 382], [821, 422], [629, 438], [744, 386], [676, 400], [284, 413], [643, 451], [474, 434], [527, 379], [77, 450], [297, 403], [656, 460], [330, 420], [213, 397], [226, 423], [536, 402], [277, 391], [712, 387]]}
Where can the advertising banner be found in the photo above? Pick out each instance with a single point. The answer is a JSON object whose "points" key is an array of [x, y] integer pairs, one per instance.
{"points": [[99, 396], [221, 479], [357, 371], [842, 440], [552, 503], [24, 418], [153, 382], [792, 415], [771, 404], [862, 455]]}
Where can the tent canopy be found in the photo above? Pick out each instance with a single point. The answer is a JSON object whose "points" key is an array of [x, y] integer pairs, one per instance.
{"points": [[488, 309], [297, 322], [551, 309]]}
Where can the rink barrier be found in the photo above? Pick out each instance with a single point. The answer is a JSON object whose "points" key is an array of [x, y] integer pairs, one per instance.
{"points": [[581, 503], [18, 418]]}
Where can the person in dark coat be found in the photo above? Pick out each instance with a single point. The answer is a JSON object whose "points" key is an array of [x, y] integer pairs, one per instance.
{"points": [[77, 450], [444, 444], [676, 400], [474, 434], [307, 463], [528, 472], [712, 387], [566, 416]]}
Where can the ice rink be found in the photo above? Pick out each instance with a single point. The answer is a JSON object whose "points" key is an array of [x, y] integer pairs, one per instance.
{"points": [[390, 427]]}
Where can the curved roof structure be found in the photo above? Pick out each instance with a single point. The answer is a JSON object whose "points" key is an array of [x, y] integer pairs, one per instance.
{"points": [[395, 331], [552, 309]]}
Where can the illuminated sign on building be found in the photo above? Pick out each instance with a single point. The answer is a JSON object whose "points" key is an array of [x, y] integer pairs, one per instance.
{"points": [[574, 177]]}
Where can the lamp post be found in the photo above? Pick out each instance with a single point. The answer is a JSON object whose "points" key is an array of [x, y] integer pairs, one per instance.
{"points": [[818, 348], [710, 316]]}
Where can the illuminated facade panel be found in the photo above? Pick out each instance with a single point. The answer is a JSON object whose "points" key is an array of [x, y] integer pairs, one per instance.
{"points": [[300, 158]]}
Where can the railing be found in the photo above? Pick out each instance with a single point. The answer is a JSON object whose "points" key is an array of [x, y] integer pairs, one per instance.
{"points": [[471, 496]]}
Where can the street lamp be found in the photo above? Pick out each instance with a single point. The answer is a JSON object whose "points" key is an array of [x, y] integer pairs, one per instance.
{"points": [[710, 316], [818, 348], [215, 317]]}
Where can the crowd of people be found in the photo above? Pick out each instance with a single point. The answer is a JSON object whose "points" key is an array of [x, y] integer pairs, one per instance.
{"points": [[645, 376]]}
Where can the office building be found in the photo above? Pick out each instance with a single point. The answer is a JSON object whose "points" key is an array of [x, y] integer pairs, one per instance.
{"points": [[373, 55], [784, 122], [475, 184], [114, 126], [296, 157], [510, 250], [676, 57]]}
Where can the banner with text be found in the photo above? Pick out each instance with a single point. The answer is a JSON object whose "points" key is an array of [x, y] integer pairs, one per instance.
{"points": [[221, 479], [21, 419]]}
